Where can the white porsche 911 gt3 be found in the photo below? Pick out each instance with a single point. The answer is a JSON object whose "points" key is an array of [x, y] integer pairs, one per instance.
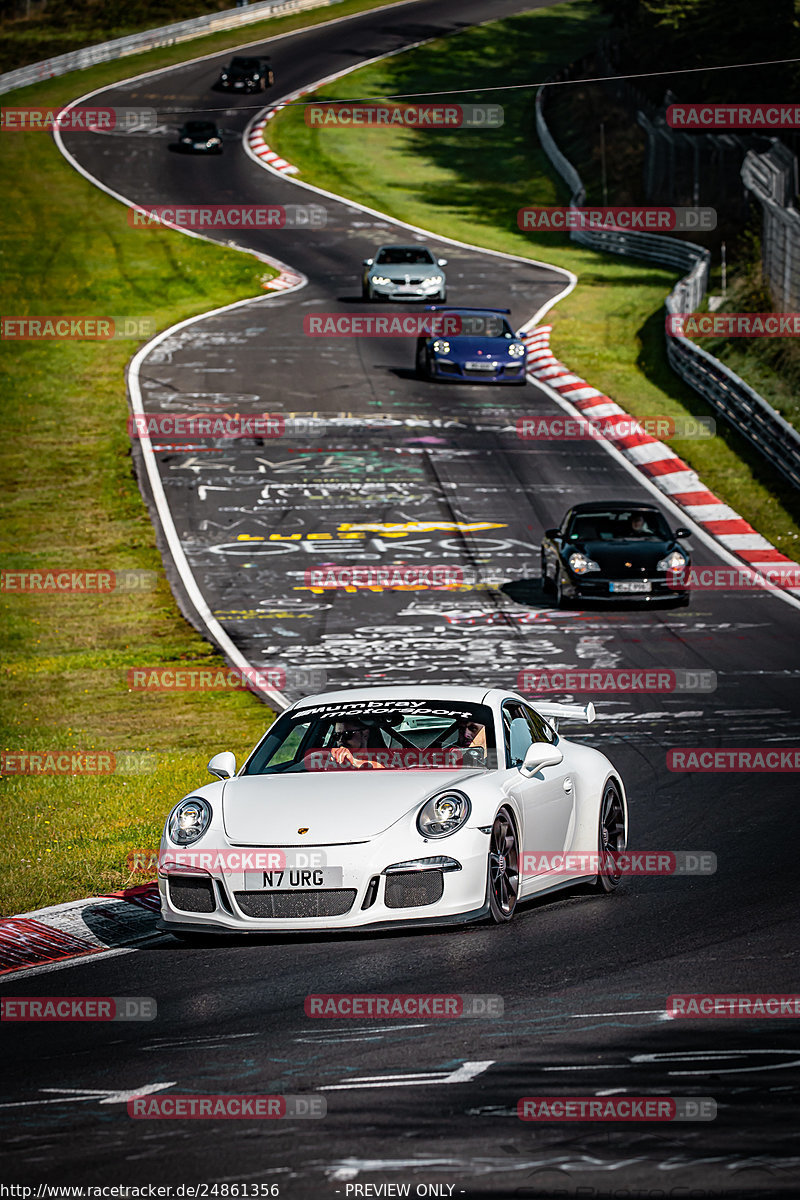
{"points": [[376, 806]]}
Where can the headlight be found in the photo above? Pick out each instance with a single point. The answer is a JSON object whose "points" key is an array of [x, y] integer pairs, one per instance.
{"points": [[434, 281], [189, 821], [381, 280], [441, 347], [675, 561], [516, 350], [580, 564], [444, 814], [212, 142]]}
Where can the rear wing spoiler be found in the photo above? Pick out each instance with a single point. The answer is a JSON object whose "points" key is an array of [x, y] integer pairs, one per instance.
{"points": [[566, 712]]}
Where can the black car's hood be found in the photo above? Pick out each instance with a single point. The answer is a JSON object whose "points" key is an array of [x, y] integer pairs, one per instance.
{"points": [[623, 559]]}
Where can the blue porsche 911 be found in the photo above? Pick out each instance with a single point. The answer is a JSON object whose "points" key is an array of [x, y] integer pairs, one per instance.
{"points": [[474, 344]]}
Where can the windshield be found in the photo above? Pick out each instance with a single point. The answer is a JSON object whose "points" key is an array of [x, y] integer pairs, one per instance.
{"points": [[632, 524], [396, 255], [376, 735], [204, 127], [245, 64], [488, 325]]}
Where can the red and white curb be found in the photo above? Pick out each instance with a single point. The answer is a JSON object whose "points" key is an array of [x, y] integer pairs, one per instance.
{"points": [[286, 278], [653, 458], [78, 928], [258, 146]]}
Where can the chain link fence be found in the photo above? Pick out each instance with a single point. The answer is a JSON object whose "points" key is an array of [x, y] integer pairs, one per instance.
{"points": [[772, 179], [729, 396]]}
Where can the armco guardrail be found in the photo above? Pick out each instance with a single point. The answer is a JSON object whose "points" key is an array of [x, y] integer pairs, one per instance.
{"points": [[730, 397], [151, 39]]}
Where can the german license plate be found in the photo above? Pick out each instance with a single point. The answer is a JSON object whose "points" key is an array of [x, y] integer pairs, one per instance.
{"points": [[481, 366], [291, 878], [631, 585]]}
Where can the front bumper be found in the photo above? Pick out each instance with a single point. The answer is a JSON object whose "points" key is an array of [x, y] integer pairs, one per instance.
{"points": [[596, 587], [501, 372], [401, 292], [201, 900]]}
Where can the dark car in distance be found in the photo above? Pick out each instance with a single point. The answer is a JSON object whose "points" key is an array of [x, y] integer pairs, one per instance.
{"points": [[246, 75], [200, 137], [618, 550]]}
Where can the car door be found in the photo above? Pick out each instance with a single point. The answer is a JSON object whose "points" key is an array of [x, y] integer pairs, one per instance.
{"points": [[547, 799]]}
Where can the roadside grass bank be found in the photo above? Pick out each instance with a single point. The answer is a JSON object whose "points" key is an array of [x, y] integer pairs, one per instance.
{"points": [[70, 501], [36, 39], [470, 183]]}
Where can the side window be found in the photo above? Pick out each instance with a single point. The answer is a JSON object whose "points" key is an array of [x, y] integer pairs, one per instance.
{"points": [[540, 730], [515, 738]]}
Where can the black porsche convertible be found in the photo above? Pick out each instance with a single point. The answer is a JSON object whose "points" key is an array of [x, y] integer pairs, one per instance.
{"points": [[615, 551]]}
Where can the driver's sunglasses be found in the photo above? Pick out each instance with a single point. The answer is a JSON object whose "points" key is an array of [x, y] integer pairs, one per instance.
{"points": [[344, 734]]}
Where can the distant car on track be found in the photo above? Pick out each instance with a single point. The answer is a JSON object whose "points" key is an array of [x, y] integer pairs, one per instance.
{"points": [[385, 805], [404, 273], [246, 74], [200, 137], [614, 551], [484, 348]]}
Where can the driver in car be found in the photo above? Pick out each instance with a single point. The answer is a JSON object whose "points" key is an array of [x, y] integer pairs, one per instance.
{"points": [[350, 734], [638, 526], [470, 734]]}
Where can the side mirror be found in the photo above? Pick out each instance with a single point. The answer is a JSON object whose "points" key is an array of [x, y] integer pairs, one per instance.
{"points": [[681, 532], [538, 755], [223, 765], [551, 533], [442, 262], [368, 262]]}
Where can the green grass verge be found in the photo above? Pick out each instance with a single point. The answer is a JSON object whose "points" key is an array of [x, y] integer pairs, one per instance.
{"points": [[70, 500], [469, 184]]}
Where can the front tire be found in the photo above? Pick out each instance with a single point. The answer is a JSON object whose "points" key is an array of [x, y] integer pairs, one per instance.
{"points": [[503, 873], [611, 837], [547, 583]]}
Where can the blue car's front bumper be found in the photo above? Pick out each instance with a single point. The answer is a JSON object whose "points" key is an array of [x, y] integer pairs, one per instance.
{"points": [[491, 371]]}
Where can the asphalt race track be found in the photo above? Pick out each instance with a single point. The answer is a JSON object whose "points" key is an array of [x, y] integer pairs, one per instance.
{"points": [[584, 980]]}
